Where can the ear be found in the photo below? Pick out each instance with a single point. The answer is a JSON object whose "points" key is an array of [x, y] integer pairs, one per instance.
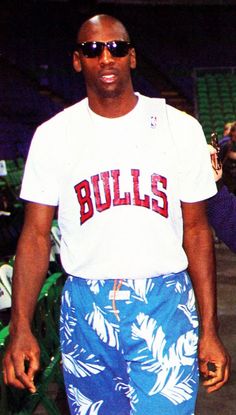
{"points": [[76, 62], [132, 56]]}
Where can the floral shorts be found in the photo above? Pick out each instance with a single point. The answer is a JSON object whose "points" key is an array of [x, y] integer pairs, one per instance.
{"points": [[130, 346]]}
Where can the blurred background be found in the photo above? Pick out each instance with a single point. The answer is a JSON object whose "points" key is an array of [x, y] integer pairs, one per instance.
{"points": [[186, 54]]}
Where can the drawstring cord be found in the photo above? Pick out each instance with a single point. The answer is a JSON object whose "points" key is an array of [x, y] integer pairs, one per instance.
{"points": [[116, 287]]}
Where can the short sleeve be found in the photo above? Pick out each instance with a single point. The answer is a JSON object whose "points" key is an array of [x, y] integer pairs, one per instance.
{"points": [[40, 181], [196, 179]]}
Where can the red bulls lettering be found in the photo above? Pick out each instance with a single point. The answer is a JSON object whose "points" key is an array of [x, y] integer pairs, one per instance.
{"points": [[137, 201], [101, 185], [117, 201], [84, 197], [163, 210], [97, 193]]}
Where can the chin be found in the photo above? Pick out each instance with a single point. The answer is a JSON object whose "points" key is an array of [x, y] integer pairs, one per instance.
{"points": [[108, 93], [111, 91]]}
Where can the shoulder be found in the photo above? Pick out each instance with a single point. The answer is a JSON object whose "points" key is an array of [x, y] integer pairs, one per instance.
{"points": [[54, 131], [175, 116], [181, 118], [185, 129]]}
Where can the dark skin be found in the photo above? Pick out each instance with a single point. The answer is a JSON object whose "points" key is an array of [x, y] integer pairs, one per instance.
{"points": [[110, 94], [30, 270], [198, 246], [108, 82]]}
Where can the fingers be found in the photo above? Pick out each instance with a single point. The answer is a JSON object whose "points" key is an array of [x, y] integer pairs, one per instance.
{"points": [[214, 362], [16, 374], [10, 379], [215, 375], [26, 377]]}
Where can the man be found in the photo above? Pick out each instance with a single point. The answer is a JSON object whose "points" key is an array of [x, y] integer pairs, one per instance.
{"points": [[221, 208], [228, 156], [225, 138], [128, 200]]}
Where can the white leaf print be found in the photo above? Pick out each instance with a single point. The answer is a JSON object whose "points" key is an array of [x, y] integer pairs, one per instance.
{"points": [[189, 309], [179, 286], [175, 390], [73, 363], [67, 298], [95, 285], [141, 288], [68, 321], [108, 332], [82, 404], [184, 350], [170, 381], [145, 329], [128, 390]]}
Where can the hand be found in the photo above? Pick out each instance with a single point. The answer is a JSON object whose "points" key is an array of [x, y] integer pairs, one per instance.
{"points": [[21, 361], [217, 170], [214, 362]]}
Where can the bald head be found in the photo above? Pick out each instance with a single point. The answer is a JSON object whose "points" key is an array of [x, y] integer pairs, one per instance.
{"points": [[107, 74], [92, 27]]}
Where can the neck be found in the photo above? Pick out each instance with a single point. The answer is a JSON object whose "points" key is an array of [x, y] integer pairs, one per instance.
{"points": [[113, 107]]}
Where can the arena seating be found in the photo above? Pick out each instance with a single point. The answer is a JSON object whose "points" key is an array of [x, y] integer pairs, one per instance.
{"points": [[215, 98]]}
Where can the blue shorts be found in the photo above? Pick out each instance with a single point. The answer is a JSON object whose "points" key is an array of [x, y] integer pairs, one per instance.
{"points": [[130, 346]]}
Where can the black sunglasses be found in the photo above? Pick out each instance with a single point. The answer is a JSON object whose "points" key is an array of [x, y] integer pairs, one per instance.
{"points": [[117, 48]]}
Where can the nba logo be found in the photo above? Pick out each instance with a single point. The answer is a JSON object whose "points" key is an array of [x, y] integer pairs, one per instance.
{"points": [[153, 121]]}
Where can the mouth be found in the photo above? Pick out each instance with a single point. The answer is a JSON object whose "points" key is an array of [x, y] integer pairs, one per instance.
{"points": [[108, 78]]}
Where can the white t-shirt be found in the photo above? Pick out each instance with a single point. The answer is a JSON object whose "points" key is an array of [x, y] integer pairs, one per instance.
{"points": [[119, 183]]}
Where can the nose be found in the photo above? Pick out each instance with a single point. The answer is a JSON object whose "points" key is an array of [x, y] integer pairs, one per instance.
{"points": [[105, 57]]}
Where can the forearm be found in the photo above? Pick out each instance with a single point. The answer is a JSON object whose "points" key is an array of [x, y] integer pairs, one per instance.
{"points": [[198, 244], [30, 269], [199, 249], [31, 264]]}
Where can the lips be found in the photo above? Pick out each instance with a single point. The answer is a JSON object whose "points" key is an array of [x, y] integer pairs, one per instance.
{"points": [[108, 77]]}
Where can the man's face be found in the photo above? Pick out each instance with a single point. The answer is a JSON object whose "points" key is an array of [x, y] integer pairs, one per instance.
{"points": [[106, 76]]}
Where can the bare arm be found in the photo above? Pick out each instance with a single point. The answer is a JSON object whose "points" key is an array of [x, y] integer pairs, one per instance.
{"points": [[30, 269], [198, 246]]}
